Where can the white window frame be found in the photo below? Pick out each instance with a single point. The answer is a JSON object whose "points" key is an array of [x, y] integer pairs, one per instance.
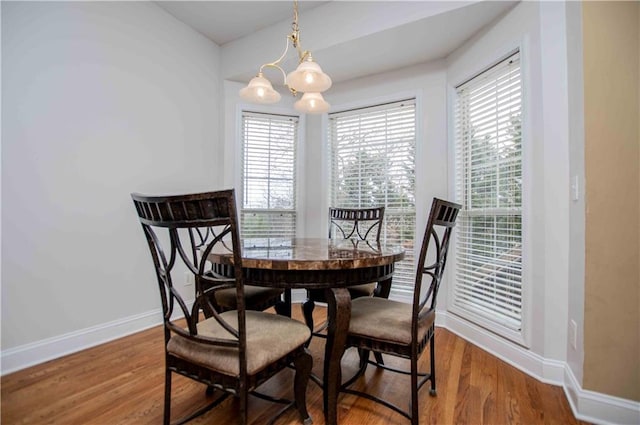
{"points": [[403, 294], [298, 174], [523, 336]]}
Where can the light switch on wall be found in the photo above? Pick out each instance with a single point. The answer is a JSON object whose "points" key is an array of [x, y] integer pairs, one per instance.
{"points": [[575, 188], [573, 334]]}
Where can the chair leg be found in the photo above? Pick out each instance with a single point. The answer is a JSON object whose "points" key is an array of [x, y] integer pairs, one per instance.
{"points": [[378, 357], [307, 311], [303, 364], [283, 307], [432, 352], [376, 354], [167, 397], [364, 357], [243, 396], [414, 390]]}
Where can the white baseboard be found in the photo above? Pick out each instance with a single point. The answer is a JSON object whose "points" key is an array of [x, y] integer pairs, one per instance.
{"points": [[599, 408], [545, 370], [31, 354], [27, 355], [587, 405], [298, 296]]}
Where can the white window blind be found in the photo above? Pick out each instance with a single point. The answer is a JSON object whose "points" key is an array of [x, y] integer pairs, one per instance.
{"points": [[372, 160], [268, 175], [488, 165]]}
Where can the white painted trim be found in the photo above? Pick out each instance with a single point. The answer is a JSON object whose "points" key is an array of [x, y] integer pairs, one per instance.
{"points": [[599, 408], [545, 370], [521, 47], [34, 353]]}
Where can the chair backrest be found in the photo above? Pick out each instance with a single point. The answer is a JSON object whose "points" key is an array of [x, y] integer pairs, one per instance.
{"points": [[181, 231], [361, 223], [437, 235]]}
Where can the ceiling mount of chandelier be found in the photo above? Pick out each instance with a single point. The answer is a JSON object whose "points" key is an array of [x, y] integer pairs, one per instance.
{"points": [[307, 78]]}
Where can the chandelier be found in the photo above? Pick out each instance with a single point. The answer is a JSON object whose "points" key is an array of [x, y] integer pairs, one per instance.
{"points": [[308, 78]]}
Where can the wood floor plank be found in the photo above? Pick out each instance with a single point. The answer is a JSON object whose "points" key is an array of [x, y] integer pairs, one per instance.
{"points": [[484, 379], [122, 382]]}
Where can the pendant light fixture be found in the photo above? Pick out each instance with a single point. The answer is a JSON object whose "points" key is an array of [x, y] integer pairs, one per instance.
{"points": [[308, 78]]}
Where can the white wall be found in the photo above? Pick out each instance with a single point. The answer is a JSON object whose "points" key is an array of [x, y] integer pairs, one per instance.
{"points": [[575, 85], [98, 100], [546, 147], [555, 174], [426, 83]]}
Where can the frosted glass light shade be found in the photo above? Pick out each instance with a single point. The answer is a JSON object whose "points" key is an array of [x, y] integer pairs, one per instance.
{"points": [[312, 103], [259, 90], [308, 77]]}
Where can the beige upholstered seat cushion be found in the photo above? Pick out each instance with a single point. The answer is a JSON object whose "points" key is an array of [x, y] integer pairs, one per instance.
{"points": [[269, 337], [385, 320], [253, 295], [365, 290]]}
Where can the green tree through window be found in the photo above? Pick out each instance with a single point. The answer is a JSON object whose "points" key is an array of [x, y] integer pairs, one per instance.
{"points": [[372, 156]]}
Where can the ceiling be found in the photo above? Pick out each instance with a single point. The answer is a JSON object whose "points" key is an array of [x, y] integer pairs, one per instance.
{"points": [[365, 37], [225, 21]]}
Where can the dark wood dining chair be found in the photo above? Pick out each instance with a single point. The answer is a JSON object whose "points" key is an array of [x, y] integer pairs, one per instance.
{"points": [[232, 352], [403, 329], [255, 297], [363, 224]]}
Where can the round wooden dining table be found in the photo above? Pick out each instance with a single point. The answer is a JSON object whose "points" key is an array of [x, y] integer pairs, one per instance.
{"points": [[329, 264]]}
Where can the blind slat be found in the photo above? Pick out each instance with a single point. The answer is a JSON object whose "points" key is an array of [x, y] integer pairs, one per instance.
{"points": [[488, 162], [372, 164], [268, 175]]}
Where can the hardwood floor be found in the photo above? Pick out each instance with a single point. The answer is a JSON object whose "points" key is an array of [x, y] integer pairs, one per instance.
{"points": [[121, 382]]}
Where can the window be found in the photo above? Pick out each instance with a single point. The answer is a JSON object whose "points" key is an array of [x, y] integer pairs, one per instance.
{"points": [[372, 160], [488, 173], [268, 175]]}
